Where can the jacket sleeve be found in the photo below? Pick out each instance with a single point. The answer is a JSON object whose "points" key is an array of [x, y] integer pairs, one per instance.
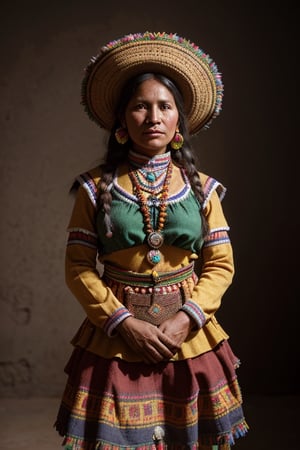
{"points": [[216, 260], [81, 273]]}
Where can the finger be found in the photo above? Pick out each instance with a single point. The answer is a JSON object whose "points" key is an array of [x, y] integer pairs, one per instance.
{"points": [[165, 351], [158, 352]]}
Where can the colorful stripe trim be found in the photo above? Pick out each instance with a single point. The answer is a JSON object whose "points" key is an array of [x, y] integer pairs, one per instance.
{"points": [[216, 237], [82, 237], [195, 311], [239, 430], [119, 315], [156, 162], [210, 186], [89, 185], [154, 278], [120, 428]]}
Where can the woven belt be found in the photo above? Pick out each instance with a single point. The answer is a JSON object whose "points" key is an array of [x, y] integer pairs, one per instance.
{"points": [[147, 280]]}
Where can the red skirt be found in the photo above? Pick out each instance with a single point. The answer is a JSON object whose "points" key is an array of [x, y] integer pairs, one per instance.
{"points": [[118, 405]]}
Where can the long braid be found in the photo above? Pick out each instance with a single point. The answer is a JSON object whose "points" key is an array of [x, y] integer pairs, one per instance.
{"points": [[105, 199], [115, 155], [185, 158]]}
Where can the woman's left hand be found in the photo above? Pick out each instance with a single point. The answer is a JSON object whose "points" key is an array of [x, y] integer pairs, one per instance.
{"points": [[177, 328]]}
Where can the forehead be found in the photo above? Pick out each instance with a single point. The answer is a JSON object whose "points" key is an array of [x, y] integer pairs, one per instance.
{"points": [[153, 88]]}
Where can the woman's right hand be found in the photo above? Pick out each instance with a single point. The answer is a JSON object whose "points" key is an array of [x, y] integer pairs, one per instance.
{"points": [[146, 340]]}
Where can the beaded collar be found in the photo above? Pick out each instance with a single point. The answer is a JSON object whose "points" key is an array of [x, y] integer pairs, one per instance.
{"points": [[150, 172]]}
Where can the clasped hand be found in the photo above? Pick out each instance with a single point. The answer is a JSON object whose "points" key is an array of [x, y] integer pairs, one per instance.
{"points": [[152, 343]]}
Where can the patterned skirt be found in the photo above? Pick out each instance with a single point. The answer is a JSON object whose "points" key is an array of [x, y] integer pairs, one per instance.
{"points": [[119, 405]]}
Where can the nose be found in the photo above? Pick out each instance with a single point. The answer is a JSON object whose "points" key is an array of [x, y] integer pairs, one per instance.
{"points": [[153, 115]]}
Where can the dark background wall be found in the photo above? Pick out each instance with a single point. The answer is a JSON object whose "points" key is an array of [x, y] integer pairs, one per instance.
{"points": [[46, 139]]}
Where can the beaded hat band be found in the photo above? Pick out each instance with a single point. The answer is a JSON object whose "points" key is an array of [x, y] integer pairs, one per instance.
{"points": [[192, 70]]}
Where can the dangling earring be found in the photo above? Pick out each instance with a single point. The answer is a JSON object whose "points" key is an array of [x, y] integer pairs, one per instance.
{"points": [[177, 141], [121, 135]]}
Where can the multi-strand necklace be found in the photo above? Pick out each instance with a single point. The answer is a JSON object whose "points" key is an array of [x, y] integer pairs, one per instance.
{"points": [[157, 200]]}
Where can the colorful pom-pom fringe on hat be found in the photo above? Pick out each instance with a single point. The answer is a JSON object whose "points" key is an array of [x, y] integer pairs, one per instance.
{"points": [[190, 68]]}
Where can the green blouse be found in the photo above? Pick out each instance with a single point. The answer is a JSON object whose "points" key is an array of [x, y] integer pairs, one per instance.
{"points": [[182, 227]]}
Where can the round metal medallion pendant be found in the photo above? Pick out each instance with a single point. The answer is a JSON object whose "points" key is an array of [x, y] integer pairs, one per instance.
{"points": [[155, 239]]}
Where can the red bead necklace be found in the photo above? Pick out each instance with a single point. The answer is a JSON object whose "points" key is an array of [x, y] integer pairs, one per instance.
{"points": [[154, 236]]}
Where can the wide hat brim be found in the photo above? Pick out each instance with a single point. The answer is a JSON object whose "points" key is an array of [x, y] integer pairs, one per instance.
{"points": [[193, 72]]}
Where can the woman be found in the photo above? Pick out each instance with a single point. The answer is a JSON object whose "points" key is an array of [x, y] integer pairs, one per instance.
{"points": [[151, 366]]}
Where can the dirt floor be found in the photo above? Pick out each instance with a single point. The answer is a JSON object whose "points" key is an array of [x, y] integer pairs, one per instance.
{"points": [[27, 424]]}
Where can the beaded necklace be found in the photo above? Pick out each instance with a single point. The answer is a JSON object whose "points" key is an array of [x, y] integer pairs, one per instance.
{"points": [[154, 236], [151, 173], [151, 182]]}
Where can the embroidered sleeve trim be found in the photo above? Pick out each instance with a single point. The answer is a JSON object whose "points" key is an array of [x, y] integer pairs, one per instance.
{"points": [[210, 186], [217, 236], [195, 311], [89, 185], [82, 237], [119, 315]]}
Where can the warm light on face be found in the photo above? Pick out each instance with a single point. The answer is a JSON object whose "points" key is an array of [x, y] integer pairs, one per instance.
{"points": [[151, 117]]}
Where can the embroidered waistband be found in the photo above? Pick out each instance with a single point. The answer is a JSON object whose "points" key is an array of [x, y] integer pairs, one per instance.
{"points": [[154, 278]]}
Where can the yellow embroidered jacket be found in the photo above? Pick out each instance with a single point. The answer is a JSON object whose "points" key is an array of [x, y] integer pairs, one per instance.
{"points": [[84, 261]]}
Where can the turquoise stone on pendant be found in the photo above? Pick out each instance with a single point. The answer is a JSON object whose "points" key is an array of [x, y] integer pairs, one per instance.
{"points": [[151, 177], [155, 259], [153, 256]]}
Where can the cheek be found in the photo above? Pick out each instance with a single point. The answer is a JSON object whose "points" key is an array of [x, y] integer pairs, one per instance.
{"points": [[133, 121], [172, 123]]}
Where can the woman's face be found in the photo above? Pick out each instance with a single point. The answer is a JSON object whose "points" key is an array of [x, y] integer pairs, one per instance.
{"points": [[151, 118]]}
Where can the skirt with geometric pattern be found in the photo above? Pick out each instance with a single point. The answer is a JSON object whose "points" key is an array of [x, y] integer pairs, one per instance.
{"points": [[112, 404]]}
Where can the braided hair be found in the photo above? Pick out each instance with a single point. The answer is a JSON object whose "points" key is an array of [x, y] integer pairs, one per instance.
{"points": [[118, 153]]}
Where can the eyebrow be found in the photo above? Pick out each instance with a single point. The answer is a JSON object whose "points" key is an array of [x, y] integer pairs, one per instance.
{"points": [[160, 100]]}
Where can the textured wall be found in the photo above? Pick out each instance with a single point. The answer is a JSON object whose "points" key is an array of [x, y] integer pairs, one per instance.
{"points": [[46, 140]]}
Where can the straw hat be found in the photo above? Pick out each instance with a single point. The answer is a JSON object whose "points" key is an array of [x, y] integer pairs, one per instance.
{"points": [[192, 70]]}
